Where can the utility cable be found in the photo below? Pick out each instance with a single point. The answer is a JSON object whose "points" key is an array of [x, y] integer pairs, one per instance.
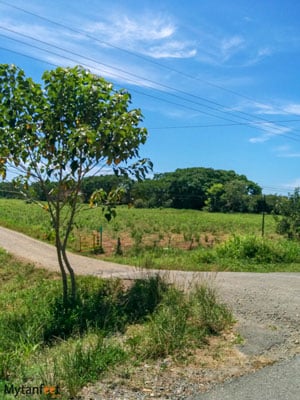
{"points": [[127, 73]]}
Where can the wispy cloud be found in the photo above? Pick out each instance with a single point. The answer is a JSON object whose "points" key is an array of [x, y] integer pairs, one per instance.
{"points": [[230, 46], [218, 48], [272, 109], [293, 108], [270, 130], [156, 36], [66, 48], [286, 151]]}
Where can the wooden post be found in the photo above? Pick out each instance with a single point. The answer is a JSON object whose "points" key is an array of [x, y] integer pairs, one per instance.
{"points": [[263, 217]]}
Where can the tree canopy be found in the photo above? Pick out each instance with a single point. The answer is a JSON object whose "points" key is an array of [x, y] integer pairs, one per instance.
{"points": [[198, 188], [58, 132]]}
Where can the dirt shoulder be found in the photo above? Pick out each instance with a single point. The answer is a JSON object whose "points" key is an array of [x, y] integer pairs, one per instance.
{"points": [[266, 306]]}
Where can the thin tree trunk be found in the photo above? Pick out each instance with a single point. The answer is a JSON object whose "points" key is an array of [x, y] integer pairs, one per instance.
{"points": [[72, 276], [62, 268]]}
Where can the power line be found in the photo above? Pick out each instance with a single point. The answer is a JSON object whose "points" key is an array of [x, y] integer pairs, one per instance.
{"points": [[218, 125], [224, 109], [153, 82], [134, 90], [147, 60], [118, 69], [233, 123]]}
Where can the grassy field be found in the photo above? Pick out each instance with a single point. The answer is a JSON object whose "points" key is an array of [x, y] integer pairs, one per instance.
{"points": [[112, 328], [168, 238]]}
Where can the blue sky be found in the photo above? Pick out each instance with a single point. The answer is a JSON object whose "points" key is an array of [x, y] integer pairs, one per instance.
{"points": [[217, 81]]}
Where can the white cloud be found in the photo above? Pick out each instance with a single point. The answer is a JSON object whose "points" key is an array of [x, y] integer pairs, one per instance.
{"points": [[265, 109], [58, 43], [127, 29], [286, 151], [231, 45], [270, 130], [259, 139], [152, 35], [292, 109], [173, 49], [270, 108]]}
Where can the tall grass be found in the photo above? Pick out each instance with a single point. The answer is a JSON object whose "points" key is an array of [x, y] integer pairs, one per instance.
{"points": [[111, 325], [182, 322]]}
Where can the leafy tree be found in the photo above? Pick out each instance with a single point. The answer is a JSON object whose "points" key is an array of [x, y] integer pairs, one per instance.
{"points": [[235, 196], [8, 191], [59, 132], [288, 223], [215, 201], [188, 188], [150, 193], [108, 183]]}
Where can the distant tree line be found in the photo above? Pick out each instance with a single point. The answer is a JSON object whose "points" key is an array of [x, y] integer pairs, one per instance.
{"points": [[191, 188]]}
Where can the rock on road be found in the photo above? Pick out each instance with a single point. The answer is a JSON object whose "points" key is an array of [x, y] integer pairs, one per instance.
{"points": [[266, 305]]}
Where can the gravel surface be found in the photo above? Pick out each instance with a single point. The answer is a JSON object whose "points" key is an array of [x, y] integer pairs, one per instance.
{"points": [[266, 306], [277, 382]]}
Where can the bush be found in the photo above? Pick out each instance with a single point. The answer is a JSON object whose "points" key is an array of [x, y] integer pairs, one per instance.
{"points": [[143, 297], [104, 304], [258, 250], [140, 203], [182, 322], [209, 317], [166, 329]]}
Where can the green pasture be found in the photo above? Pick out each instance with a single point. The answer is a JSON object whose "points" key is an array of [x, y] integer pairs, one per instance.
{"points": [[169, 238]]}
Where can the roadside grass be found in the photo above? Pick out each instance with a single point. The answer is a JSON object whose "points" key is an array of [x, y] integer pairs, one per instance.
{"points": [[113, 325], [209, 242], [242, 253]]}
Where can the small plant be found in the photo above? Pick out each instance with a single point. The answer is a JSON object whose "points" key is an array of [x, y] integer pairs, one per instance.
{"points": [[119, 251], [143, 297], [87, 361], [208, 315], [137, 236], [258, 250], [166, 330]]}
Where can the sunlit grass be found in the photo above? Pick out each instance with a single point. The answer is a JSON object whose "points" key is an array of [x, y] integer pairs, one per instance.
{"points": [[165, 238]]}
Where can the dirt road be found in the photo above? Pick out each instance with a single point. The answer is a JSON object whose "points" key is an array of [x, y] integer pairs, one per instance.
{"points": [[267, 306]]}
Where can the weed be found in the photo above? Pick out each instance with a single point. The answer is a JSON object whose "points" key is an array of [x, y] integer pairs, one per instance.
{"points": [[87, 361], [166, 329]]}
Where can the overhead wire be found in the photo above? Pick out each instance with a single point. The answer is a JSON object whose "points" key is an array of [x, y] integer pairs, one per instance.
{"points": [[224, 109], [78, 31], [250, 123], [137, 55]]}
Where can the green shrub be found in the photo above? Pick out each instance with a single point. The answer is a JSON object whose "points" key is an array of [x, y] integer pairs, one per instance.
{"points": [[104, 304], [143, 297], [259, 250], [166, 329], [182, 322], [208, 315]]}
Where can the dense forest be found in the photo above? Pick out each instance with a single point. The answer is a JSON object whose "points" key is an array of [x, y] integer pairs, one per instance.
{"points": [[190, 188]]}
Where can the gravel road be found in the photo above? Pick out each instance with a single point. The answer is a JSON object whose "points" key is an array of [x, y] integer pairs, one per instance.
{"points": [[280, 381], [267, 306]]}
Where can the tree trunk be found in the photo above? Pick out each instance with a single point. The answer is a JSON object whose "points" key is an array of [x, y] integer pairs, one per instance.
{"points": [[72, 276], [62, 269]]}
